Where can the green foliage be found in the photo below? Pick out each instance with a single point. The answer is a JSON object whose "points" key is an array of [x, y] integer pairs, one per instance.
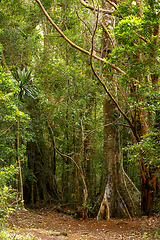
{"points": [[136, 37], [148, 150], [8, 89], [7, 193], [19, 37], [125, 31], [9, 113]]}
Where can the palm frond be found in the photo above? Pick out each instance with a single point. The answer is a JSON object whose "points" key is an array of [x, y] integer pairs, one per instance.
{"points": [[24, 80]]}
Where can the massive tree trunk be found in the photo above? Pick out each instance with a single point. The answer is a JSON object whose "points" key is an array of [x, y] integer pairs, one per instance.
{"points": [[121, 198], [118, 201]]}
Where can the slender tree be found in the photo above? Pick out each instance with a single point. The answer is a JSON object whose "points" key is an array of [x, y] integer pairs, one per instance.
{"points": [[25, 86]]}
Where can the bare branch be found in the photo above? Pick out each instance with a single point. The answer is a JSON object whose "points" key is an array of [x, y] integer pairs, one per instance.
{"points": [[58, 151], [96, 9], [6, 130], [113, 4], [79, 167], [141, 37], [83, 22], [109, 35], [121, 124]]}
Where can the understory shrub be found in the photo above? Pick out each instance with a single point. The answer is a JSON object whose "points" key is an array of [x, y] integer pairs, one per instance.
{"points": [[7, 193]]}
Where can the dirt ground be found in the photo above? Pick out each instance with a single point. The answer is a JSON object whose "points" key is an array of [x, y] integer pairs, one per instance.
{"points": [[47, 224]]}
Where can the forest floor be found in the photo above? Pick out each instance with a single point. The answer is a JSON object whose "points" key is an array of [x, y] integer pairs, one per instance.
{"points": [[48, 224]]}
